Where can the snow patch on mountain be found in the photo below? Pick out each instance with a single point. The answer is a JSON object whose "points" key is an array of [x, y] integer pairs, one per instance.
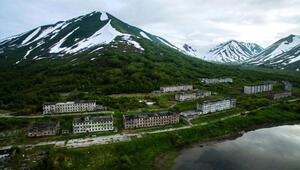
{"points": [[145, 35], [57, 47], [105, 35], [103, 16], [129, 40], [28, 38], [47, 31]]}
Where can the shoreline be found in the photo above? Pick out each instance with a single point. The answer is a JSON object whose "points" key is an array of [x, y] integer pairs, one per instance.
{"points": [[159, 162]]}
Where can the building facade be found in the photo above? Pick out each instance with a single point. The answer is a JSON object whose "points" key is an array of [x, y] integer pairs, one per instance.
{"points": [[280, 95], [93, 124], [191, 96], [185, 96], [190, 113], [150, 120], [203, 93], [258, 88], [216, 80], [43, 129], [168, 89], [287, 86], [216, 105], [68, 107]]}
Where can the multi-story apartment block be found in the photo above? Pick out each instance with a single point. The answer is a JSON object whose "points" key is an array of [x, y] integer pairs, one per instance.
{"points": [[93, 124], [258, 88], [287, 86], [280, 95], [167, 89], [216, 80], [191, 96], [216, 105], [67, 107], [150, 120], [43, 129]]}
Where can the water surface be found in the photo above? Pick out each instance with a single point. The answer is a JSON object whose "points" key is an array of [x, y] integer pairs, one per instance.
{"points": [[275, 148]]}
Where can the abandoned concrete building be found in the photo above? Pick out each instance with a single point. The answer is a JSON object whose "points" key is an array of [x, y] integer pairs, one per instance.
{"points": [[150, 119], [216, 105], [43, 129], [184, 96], [216, 80], [279, 95], [168, 89], [253, 89], [68, 107], [93, 124]]}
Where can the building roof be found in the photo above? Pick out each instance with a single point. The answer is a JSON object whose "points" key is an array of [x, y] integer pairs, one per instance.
{"points": [[93, 119], [179, 85], [260, 84], [217, 100], [44, 125], [146, 115], [70, 102]]}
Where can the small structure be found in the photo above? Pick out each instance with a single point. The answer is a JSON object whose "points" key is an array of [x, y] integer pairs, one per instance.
{"points": [[6, 155], [287, 86], [43, 129], [190, 113], [280, 95], [185, 96], [168, 89], [93, 124], [203, 93], [150, 120], [253, 89], [216, 105], [216, 80], [69, 107], [191, 96]]}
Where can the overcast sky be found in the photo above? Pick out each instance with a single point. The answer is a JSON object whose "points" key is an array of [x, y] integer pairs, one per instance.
{"points": [[200, 23]]}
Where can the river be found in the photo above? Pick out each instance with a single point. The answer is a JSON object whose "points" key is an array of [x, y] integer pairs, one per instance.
{"points": [[276, 148]]}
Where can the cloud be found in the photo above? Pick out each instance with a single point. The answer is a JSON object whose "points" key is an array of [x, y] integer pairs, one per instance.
{"points": [[201, 23]]}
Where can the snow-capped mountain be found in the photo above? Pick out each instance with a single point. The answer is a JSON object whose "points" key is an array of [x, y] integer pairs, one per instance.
{"points": [[89, 33], [284, 53], [233, 52]]}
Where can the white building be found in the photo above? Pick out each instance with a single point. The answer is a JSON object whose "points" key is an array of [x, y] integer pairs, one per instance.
{"points": [[185, 96], [216, 80], [216, 105], [258, 88], [167, 89], [191, 96], [93, 124], [67, 107]]}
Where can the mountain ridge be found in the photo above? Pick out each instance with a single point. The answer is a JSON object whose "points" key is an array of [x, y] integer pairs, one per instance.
{"points": [[81, 34], [284, 53]]}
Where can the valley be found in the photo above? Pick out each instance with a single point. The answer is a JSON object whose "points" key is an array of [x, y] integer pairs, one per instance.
{"points": [[94, 92]]}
